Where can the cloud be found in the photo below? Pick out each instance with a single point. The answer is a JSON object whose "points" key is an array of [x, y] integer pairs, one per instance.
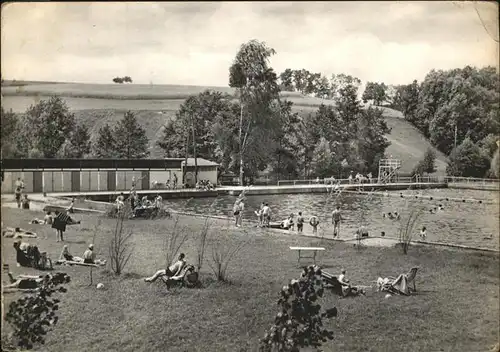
{"points": [[194, 43]]}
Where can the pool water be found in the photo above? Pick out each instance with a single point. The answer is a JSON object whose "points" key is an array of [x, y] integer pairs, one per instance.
{"points": [[465, 223]]}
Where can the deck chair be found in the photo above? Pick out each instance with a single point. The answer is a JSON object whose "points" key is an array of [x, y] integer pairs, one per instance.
{"points": [[334, 284], [188, 278], [401, 284]]}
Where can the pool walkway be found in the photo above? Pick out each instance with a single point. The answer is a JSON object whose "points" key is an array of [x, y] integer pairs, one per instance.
{"points": [[55, 203], [250, 190], [371, 189]]}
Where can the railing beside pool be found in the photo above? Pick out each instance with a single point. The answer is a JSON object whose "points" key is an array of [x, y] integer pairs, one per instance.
{"points": [[346, 181], [396, 179], [473, 180]]}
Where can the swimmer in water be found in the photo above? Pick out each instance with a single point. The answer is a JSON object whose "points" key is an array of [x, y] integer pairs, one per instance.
{"points": [[314, 222], [441, 207]]}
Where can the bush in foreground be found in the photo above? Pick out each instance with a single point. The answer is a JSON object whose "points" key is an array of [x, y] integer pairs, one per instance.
{"points": [[33, 316], [300, 320]]}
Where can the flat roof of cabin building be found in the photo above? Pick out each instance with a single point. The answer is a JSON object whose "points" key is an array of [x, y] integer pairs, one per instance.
{"points": [[20, 164]]}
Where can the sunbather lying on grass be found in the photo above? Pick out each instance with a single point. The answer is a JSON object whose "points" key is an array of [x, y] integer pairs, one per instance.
{"points": [[10, 232], [24, 281], [172, 271]]}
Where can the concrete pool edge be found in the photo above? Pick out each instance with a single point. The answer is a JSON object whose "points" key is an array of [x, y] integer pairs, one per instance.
{"points": [[370, 241]]}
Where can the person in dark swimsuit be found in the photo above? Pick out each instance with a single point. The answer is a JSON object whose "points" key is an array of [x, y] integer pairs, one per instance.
{"points": [[300, 222], [171, 271], [336, 219]]}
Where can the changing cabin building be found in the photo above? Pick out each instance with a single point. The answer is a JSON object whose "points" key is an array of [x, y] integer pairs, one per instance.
{"points": [[94, 175]]}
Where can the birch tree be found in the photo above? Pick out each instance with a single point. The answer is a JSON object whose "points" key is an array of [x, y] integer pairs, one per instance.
{"points": [[257, 87]]}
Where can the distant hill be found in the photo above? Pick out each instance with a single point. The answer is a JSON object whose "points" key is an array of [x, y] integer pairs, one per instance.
{"points": [[98, 104]]}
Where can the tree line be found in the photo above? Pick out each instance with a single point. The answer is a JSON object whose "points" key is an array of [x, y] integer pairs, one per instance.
{"points": [[48, 129], [120, 80], [458, 111], [260, 133]]}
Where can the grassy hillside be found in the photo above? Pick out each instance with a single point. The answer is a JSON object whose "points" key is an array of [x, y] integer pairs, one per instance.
{"points": [[97, 104]]}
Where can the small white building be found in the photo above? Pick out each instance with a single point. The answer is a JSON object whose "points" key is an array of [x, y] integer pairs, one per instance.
{"points": [[207, 170]]}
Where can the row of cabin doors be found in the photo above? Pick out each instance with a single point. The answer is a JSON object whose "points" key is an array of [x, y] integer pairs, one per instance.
{"points": [[75, 181]]}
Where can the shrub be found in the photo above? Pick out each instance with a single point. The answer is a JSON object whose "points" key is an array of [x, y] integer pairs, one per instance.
{"points": [[299, 323], [467, 160], [174, 240], [427, 164], [223, 252], [202, 238], [33, 316], [202, 244], [120, 249], [407, 225]]}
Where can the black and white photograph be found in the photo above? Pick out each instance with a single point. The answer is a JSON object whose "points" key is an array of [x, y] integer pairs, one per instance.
{"points": [[242, 176]]}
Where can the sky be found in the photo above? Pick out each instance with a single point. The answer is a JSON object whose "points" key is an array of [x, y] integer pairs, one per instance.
{"points": [[195, 43]]}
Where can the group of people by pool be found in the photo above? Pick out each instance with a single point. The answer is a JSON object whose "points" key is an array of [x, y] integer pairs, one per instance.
{"points": [[138, 206], [21, 200], [264, 217]]}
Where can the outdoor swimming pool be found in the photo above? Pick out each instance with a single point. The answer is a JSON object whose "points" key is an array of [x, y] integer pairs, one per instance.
{"points": [[469, 223]]}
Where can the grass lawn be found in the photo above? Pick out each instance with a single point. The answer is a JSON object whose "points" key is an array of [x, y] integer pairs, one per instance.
{"points": [[456, 307]]}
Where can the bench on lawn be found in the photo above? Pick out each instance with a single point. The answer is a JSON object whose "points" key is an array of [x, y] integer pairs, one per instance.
{"points": [[307, 249]]}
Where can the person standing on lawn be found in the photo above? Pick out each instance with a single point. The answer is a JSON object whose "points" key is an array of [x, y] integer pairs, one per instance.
{"points": [[300, 222], [59, 224], [238, 208], [336, 219], [18, 196]]}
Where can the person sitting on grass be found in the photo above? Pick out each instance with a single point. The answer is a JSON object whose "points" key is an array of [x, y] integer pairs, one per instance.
{"points": [[25, 202], [26, 254], [47, 220], [66, 256], [347, 289], [89, 255], [172, 271]]}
